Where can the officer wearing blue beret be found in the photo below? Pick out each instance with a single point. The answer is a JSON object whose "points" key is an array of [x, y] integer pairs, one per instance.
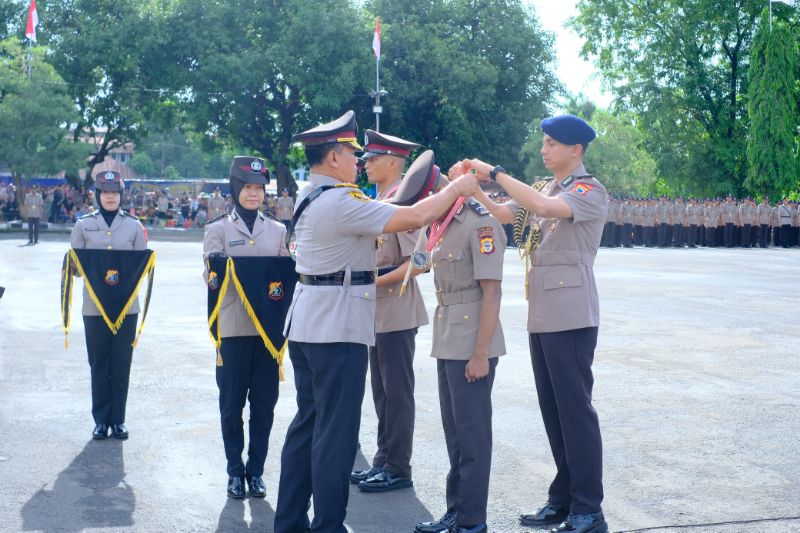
{"points": [[566, 217]]}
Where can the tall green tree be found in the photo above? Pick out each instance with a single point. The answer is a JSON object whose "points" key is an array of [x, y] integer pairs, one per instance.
{"points": [[465, 77], [255, 72], [112, 57], [13, 16], [681, 65], [35, 115], [772, 106]]}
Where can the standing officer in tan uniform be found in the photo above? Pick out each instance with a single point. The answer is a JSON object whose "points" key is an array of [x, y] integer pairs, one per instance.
{"points": [[563, 317], [468, 247], [284, 208], [34, 208], [110, 355], [247, 370], [391, 360], [331, 321], [216, 205]]}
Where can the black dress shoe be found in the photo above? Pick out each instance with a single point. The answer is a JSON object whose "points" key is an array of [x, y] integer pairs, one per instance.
{"points": [[236, 487], [256, 487], [357, 476], [582, 523], [385, 481], [546, 515], [100, 432], [445, 523], [119, 431]]}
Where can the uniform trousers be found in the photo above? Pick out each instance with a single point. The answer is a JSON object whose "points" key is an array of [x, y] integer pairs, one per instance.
{"points": [[785, 233], [691, 237], [110, 358], [562, 369], [727, 235], [763, 235], [467, 422], [321, 441], [747, 239], [248, 372], [391, 366], [627, 234], [678, 236], [33, 229]]}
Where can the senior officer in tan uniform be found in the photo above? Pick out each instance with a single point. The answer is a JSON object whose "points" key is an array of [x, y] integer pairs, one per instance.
{"points": [[110, 356], [332, 321], [468, 247], [248, 371], [284, 208], [563, 317], [391, 360]]}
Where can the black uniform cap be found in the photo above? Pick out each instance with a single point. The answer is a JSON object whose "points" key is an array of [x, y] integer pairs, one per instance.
{"points": [[249, 170], [109, 181], [421, 180], [376, 143], [342, 130]]}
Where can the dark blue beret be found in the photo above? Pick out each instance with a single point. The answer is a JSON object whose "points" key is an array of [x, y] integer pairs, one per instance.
{"points": [[568, 129]]}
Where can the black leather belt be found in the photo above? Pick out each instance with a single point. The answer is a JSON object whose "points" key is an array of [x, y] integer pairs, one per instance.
{"points": [[359, 277]]}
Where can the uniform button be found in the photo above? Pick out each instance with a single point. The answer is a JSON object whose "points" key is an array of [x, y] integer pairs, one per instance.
{"points": [[440, 317], [391, 291], [252, 242], [109, 247], [561, 283], [466, 317], [108, 233], [449, 255], [366, 295], [434, 265]]}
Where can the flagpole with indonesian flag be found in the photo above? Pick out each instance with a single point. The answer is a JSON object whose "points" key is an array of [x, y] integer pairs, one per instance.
{"points": [[33, 21], [377, 93]]}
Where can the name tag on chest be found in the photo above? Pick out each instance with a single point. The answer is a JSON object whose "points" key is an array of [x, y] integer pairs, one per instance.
{"points": [[236, 243]]}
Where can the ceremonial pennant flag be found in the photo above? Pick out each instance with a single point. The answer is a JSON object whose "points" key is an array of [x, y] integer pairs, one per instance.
{"points": [[33, 21], [112, 279], [376, 39], [265, 286]]}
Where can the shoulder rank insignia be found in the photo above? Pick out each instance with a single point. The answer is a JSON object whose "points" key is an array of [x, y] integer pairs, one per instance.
{"points": [[215, 219], [87, 215], [478, 208], [582, 188], [486, 237], [566, 182]]}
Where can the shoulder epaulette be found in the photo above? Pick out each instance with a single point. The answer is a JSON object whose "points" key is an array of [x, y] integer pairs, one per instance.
{"points": [[478, 208], [548, 178], [350, 185], [585, 177], [216, 219], [126, 214], [273, 217], [87, 215]]}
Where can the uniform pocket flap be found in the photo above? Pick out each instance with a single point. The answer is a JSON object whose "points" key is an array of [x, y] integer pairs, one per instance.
{"points": [[463, 313], [451, 254], [562, 276]]}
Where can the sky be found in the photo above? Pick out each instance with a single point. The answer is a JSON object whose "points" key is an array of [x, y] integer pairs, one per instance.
{"points": [[576, 74]]}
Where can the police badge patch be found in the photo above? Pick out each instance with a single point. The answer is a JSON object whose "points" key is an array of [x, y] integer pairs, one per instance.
{"points": [[582, 188], [486, 236], [213, 280], [360, 196], [276, 290], [112, 276]]}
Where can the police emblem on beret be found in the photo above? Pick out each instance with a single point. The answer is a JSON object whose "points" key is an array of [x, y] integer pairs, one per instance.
{"points": [[486, 237], [276, 290], [256, 166], [109, 176], [213, 280], [112, 276]]}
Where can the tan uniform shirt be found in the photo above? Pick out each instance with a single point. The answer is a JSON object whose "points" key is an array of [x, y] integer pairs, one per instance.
{"points": [[728, 213], [284, 208], [762, 213], [229, 235], [34, 205], [337, 232], [91, 232], [662, 213], [395, 312], [216, 207], [471, 249], [677, 214], [563, 293]]}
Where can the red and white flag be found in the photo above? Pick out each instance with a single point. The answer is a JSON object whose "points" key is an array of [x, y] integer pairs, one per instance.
{"points": [[33, 21], [376, 39]]}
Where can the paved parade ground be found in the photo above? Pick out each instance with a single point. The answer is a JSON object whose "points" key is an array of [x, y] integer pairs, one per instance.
{"points": [[697, 385]]}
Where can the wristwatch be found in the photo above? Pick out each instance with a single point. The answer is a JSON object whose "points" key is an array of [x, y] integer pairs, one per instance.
{"points": [[495, 171]]}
